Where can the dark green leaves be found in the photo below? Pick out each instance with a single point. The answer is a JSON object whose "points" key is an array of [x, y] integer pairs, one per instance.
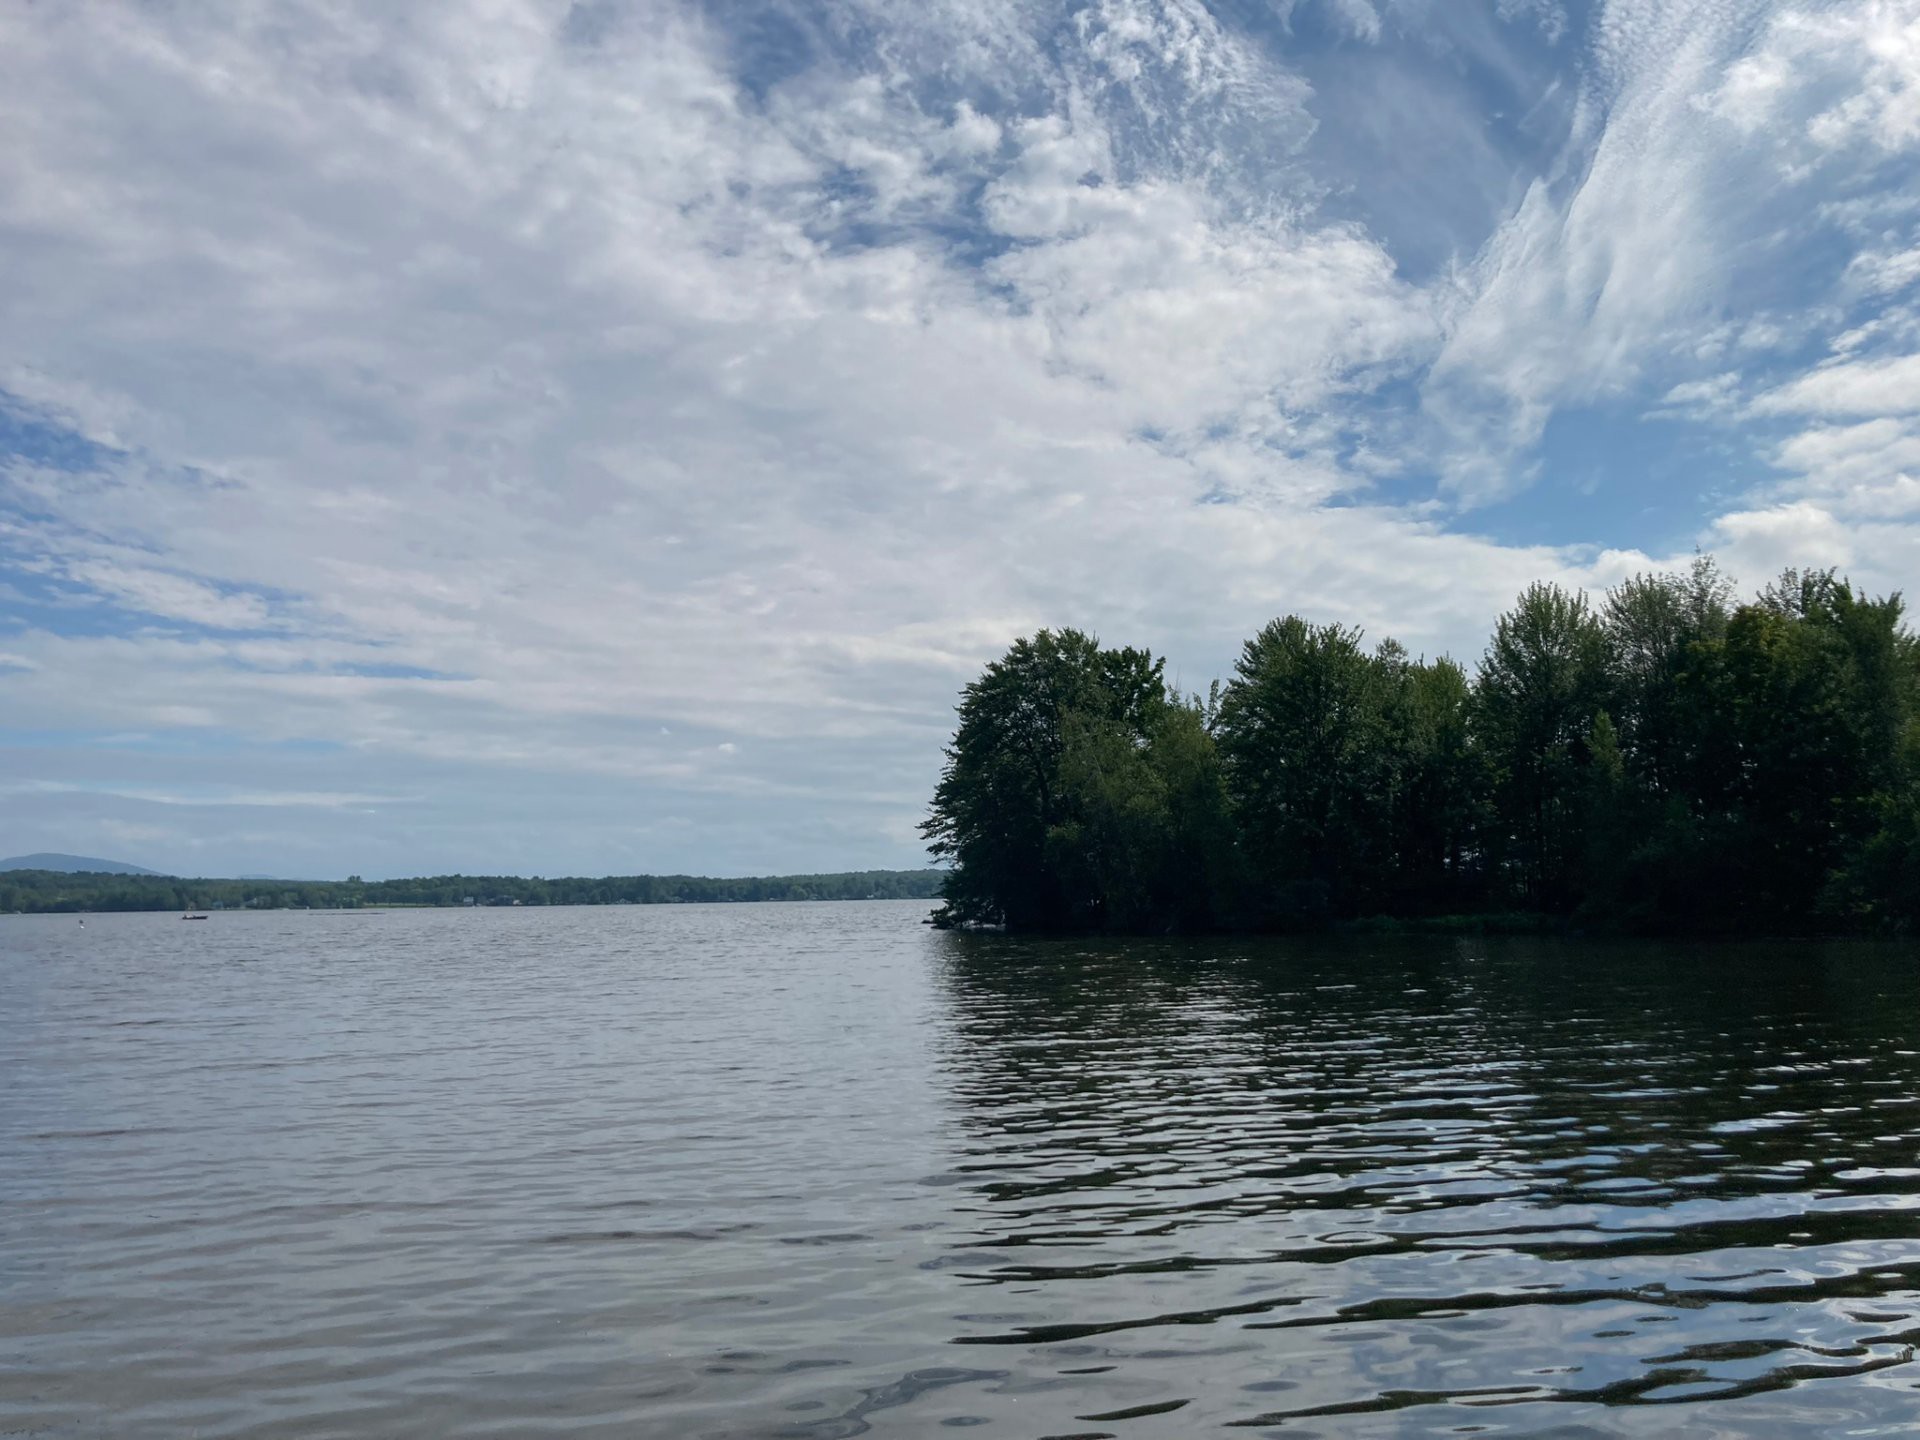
{"points": [[1664, 761]]}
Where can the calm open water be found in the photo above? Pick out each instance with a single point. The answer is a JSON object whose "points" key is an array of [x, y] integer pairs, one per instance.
{"points": [[816, 1171]]}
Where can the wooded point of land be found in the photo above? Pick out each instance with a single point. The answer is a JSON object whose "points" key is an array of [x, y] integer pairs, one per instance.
{"points": [[1668, 760]]}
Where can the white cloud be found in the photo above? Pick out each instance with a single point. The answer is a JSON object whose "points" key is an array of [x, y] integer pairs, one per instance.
{"points": [[1857, 473], [444, 348], [1605, 262], [1885, 272], [173, 597], [1889, 386], [1765, 541], [1716, 397], [212, 796], [501, 397], [973, 133], [1885, 110], [1702, 137], [1759, 543]]}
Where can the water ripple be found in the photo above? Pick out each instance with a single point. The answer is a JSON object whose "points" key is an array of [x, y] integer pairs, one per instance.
{"points": [[788, 1170]]}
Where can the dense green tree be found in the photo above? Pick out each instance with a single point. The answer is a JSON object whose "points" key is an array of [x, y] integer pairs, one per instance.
{"points": [[1144, 837], [1880, 885], [1304, 738], [1654, 852], [1541, 684], [1818, 697], [1200, 872], [1440, 784], [1105, 845], [1659, 631], [1036, 808]]}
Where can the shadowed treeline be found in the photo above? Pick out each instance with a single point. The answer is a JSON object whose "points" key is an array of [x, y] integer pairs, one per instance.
{"points": [[42, 891], [1667, 761]]}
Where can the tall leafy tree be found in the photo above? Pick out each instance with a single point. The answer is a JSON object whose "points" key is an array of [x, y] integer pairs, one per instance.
{"points": [[1541, 684], [1008, 785], [1880, 884], [1658, 631], [1438, 811], [1819, 698], [1654, 845], [1304, 740], [1199, 871]]}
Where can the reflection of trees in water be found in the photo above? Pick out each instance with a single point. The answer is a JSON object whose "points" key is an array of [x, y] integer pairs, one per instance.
{"points": [[1408, 1171], [1179, 1081]]}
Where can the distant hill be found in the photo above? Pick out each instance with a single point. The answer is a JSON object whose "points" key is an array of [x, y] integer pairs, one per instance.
{"points": [[73, 865]]}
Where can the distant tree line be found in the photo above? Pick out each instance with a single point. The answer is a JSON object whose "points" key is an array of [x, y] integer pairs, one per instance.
{"points": [[42, 891], [1667, 760]]}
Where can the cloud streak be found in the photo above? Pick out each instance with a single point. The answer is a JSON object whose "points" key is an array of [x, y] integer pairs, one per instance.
{"points": [[592, 416]]}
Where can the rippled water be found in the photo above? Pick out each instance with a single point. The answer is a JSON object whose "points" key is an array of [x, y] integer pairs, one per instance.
{"points": [[817, 1171]]}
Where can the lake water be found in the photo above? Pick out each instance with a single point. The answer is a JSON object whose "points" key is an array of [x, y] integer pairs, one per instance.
{"points": [[816, 1171]]}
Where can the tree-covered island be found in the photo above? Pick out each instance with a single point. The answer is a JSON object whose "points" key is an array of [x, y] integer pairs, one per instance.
{"points": [[1667, 760]]}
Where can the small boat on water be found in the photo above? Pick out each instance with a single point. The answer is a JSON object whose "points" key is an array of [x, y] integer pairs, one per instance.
{"points": [[191, 915]]}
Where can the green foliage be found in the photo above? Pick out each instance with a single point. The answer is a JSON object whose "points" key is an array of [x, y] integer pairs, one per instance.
{"points": [[1657, 630], [1304, 727], [1669, 761], [44, 891], [1814, 791], [1052, 807], [1440, 807], [1541, 684]]}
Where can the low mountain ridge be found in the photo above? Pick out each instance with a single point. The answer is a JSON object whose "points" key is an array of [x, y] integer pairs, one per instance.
{"points": [[73, 865]]}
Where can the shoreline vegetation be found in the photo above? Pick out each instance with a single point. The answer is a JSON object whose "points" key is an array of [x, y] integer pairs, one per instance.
{"points": [[1667, 761], [48, 892]]}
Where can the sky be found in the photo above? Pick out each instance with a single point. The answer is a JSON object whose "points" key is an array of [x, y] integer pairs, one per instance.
{"points": [[603, 437]]}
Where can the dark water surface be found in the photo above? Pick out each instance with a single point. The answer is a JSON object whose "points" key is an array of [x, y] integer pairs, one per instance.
{"points": [[817, 1171]]}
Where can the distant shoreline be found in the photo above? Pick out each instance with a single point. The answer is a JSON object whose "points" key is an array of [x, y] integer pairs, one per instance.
{"points": [[45, 892]]}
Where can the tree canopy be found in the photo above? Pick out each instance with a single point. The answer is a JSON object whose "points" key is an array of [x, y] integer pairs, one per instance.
{"points": [[1666, 759]]}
